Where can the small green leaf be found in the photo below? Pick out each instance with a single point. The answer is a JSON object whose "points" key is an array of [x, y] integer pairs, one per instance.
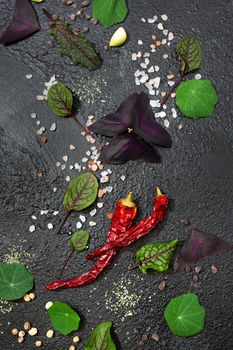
{"points": [[15, 281], [156, 256], [63, 318], [60, 100], [100, 338], [185, 316], [196, 98], [109, 12], [189, 51], [79, 240], [81, 192]]}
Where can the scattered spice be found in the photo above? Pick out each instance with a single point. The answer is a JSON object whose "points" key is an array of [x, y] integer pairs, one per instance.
{"points": [[214, 269]]}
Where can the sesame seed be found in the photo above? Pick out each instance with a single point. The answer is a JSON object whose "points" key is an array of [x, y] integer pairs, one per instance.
{"points": [[48, 305]]}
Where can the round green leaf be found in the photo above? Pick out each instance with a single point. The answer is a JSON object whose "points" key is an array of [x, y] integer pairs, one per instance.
{"points": [[185, 316], [63, 318], [196, 98], [15, 281], [60, 100], [79, 240], [81, 192], [100, 338]]}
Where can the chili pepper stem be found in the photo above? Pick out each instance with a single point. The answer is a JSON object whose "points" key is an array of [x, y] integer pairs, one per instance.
{"points": [[70, 253], [63, 221], [166, 97]]}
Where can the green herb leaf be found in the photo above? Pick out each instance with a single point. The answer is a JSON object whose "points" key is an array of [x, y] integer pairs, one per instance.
{"points": [[189, 51], [77, 47], [185, 316], [196, 98], [100, 338], [60, 100], [156, 256], [79, 240], [63, 318], [81, 192], [109, 12], [15, 281]]}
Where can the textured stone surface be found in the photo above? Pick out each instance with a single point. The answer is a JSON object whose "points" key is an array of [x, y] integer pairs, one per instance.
{"points": [[196, 173]]}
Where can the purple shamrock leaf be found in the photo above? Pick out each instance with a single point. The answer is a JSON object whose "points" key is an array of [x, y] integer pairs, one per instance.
{"points": [[118, 122], [128, 147], [200, 245], [144, 124], [24, 23]]}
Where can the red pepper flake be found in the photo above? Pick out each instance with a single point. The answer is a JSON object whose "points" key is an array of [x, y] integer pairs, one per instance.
{"points": [[43, 139], [109, 216]]}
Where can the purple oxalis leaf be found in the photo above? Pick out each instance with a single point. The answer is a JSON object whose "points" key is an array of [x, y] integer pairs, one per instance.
{"points": [[24, 23], [128, 147], [145, 126], [200, 245], [118, 122]]}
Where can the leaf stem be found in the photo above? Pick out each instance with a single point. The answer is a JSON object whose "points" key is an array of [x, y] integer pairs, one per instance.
{"points": [[166, 97], [149, 259], [46, 12], [66, 262], [81, 125], [63, 221]]}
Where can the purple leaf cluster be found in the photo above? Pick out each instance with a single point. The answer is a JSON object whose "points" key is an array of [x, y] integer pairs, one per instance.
{"points": [[200, 245], [23, 24], [134, 132]]}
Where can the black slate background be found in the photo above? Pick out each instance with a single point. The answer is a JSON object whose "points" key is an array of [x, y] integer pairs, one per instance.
{"points": [[196, 173]]}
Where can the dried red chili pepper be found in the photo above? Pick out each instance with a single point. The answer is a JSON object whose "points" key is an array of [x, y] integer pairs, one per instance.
{"points": [[122, 220], [138, 230]]}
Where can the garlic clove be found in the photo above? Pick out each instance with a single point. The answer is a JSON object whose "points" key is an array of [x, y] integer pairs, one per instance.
{"points": [[119, 37]]}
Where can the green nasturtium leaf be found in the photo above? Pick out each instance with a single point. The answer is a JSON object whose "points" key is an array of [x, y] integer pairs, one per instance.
{"points": [[156, 256], [63, 318], [196, 98], [81, 192], [100, 338], [189, 51], [185, 316], [15, 281], [60, 100], [109, 12], [79, 240]]}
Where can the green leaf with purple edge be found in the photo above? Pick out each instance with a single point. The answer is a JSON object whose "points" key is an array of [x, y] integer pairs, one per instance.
{"points": [[200, 245], [79, 240], [63, 318], [23, 24], [185, 316], [100, 338], [189, 51], [60, 100]]}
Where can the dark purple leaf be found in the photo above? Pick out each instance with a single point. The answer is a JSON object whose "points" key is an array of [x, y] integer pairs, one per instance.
{"points": [[128, 147], [118, 122], [24, 23], [200, 245], [144, 124]]}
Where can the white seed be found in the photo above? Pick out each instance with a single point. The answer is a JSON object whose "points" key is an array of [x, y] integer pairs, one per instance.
{"points": [[33, 331], [100, 205], [20, 339], [72, 347], [50, 333], [76, 339], [32, 296], [38, 343], [15, 331], [26, 297], [143, 19], [72, 147], [27, 326], [21, 334], [48, 305]]}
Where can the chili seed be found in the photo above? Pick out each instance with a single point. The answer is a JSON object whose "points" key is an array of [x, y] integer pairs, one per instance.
{"points": [[20, 339], [198, 269], [144, 338], [33, 331], [155, 337], [27, 326], [26, 297], [195, 278], [38, 343], [21, 334], [162, 285], [32, 296], [50, 333], [213, 269], [15, 331], [76, 339], [184, 221]]}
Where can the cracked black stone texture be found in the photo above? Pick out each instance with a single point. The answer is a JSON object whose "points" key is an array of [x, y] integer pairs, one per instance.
{"points": [[196, 173]]}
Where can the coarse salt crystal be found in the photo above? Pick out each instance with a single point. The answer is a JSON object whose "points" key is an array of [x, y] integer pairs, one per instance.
{"points": [[143, 19], [151, 20], [166, 123], [55, 212], [140, 42], [161, 114], [84, 159], [58, 164], [28, 76], [50, 226], [71, 167], [65, 158], [82, 218], [67, 178], [40, 98], [109, 171], [54, 189], [144, 78], [63, 166], [33, 217], [152, 92], [143, 65], [104, 179], [137, 81], [53, 127], [160, 26], [155, 18], [165, 32], [164, 17], [151, 70], [93, 212], [170, 36], [38, 122], [197, 76], [109, 189], [154, 103], [171, 83], [72, 147], [134, 56], [32, 228], [122, 177], [157, 82], [92, 223], [33, 115], [174, 113], [100, 205], [156, 68], [88, 153], [147, 61], [165, 55], [79, 225]]}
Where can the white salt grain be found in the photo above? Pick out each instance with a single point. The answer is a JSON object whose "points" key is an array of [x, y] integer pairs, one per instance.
{"points": [[140, 42], [55, 212], [28, 76], [143, 20], [157, 82], [134, 57], [151, 70], [33, 115], [58, 164], [93, 212], [82, 218], [174, 113], [38, 122], [170, 36], [164, 17], [53, 127], [54, 189], [160, 26], [155, 18], [165, 32], [92, 223], [50, 226], [171, 83], [33, 217], [32, 228], [72, 147], [154, 103], [63, 166], [84, 159], [109, 189], [67, 178], [65, 158], [156, 68], [166, 123], [79, 225], [122, 177], [198, 76]]}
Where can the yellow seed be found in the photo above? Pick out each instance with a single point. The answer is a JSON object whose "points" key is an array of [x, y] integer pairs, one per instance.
{"points": [[15, 331], [72, 347], [76, 339], [27, 326], [50, 333], [48, 305], [21, 333], [38, 343], [33, 331], [26, 297], [32, 296], [119, 37], [20, 339]]}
